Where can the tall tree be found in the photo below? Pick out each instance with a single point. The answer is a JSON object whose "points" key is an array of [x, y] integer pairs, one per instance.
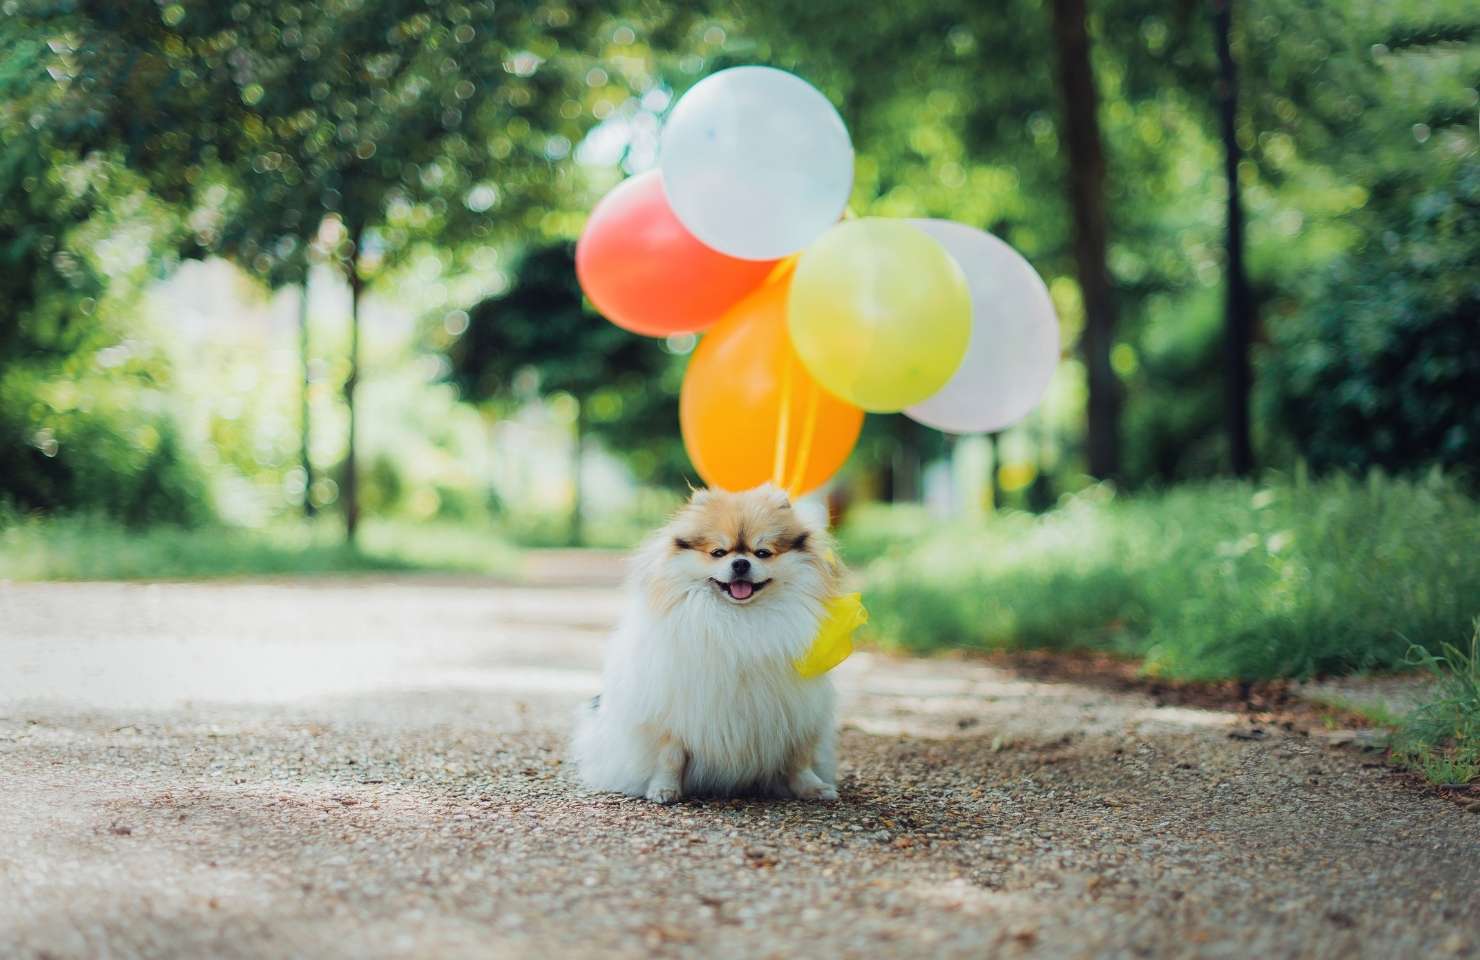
{"points": [[1239, 305], [1080, 131], [405, 122], [305, 414]]}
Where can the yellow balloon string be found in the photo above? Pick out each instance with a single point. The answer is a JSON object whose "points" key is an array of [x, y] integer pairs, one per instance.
{"points": [[782, 271], [804, 449], [783, 423], [783, 268]]}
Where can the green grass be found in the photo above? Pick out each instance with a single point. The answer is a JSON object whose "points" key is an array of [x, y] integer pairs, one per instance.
{"points": [[1441, 739], [1216, 581], [1377, 714], [89, 548], [648, 510]]}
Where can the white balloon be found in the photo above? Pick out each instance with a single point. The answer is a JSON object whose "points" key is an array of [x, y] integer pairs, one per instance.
{"points": [[1014, 346], [756, 162]]}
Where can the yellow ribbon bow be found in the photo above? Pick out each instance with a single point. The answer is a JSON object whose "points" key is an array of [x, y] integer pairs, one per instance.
{"points": [[834, 642]]}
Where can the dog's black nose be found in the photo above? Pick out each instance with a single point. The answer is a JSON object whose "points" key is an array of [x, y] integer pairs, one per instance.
{"points": [[740, 566]]}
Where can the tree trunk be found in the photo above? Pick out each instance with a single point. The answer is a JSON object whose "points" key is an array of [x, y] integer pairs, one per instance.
{"points": [[994, 471], [1238, 320], [887, 476], [1040, 492], [904, 464], [1080, 128], [350, 489], [577, 533], [303, 414]]}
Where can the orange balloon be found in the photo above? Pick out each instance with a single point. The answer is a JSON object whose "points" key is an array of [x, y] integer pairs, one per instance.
{"points": [[647, 274], [730, 409]]}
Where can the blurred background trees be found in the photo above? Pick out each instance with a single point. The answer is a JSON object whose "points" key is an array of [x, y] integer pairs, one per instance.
{"points": [[540, 339], [427, 164]]}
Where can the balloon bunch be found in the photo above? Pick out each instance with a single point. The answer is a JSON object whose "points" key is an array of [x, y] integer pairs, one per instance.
{"points": [[812, 317]]}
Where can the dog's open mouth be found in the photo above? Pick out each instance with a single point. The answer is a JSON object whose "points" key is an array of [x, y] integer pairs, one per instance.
{"points": [[739, 590]]}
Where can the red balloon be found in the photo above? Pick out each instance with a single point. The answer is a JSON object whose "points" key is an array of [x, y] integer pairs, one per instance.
{"points": [[647, 274]]}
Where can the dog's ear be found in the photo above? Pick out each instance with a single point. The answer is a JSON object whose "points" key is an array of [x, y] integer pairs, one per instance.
{"points": [[702, 496], [777, 496]]}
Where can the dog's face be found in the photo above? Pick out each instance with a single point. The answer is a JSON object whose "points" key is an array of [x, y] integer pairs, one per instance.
{"points": [[745, 549]]}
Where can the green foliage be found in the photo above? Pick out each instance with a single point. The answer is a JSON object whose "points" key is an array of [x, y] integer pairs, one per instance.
{"points": [[1204, 582], [404, 132], [45, 288], [625, 386], [872, 530], [406, 123], [536, 529], [410, 119], [82, 547], [1372, 357], [123, 461], [64, 218], [1442, 737], [1383, 369]]}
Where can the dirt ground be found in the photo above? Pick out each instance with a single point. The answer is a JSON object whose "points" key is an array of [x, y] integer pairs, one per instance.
{"points": [[374, 768]]}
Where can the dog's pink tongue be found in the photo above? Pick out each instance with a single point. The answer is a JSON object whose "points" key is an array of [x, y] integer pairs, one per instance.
{"points": [[741, 589]]}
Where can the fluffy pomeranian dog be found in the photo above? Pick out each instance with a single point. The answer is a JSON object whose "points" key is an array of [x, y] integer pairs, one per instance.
{"points": [[700, 696]]}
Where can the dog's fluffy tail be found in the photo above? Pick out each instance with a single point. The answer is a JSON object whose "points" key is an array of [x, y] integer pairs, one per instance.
{"points": [[609, 755]]}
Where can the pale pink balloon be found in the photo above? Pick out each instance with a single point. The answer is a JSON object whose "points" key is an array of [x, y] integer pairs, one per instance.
{"points": [[1014, 346]]}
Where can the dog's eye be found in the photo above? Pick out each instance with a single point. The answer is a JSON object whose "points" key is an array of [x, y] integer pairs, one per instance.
{"points": [[718, 552], [762, 553]]}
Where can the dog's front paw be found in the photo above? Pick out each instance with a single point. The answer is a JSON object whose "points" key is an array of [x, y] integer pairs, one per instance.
{"points": [[807, 785], [664, 794]]}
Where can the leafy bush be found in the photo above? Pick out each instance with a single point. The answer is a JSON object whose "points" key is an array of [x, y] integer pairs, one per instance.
{"points": [[1382, 369], [1212, 581], [872, 529], [121, 463], [1442, 737]]}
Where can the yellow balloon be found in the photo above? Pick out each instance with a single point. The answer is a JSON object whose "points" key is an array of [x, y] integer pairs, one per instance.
{"points": [[834, 641], [879, 313]]}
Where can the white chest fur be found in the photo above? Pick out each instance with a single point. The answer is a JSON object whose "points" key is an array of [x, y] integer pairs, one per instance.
{"points": [[724, 686]]}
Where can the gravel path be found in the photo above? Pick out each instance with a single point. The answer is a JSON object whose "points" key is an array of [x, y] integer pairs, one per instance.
{"points": [[373, 768]]}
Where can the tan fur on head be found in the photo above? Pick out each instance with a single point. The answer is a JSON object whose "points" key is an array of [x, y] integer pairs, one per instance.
{"points": [[758, 525], [759, 519]]}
